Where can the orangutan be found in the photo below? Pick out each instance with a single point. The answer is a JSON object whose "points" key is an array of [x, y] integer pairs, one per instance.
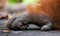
{"points": [[44, 13]]}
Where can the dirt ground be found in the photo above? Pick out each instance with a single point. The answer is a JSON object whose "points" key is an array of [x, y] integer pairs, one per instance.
{"points": [[26, 32]]}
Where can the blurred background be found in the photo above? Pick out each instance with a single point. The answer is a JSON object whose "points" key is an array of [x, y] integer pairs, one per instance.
{"points": [[11, 7], [15, 1], [14, 7]]}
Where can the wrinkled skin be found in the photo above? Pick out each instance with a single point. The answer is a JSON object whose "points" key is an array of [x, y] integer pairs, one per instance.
{"points": [[13, 24], [17, 23], [23, 22]]}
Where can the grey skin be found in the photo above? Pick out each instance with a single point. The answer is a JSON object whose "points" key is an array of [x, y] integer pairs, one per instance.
{"points": [[13, 24], [22, 22]]}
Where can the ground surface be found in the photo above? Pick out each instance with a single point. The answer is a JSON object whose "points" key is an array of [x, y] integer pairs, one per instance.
{"points": [[26, 32]]}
